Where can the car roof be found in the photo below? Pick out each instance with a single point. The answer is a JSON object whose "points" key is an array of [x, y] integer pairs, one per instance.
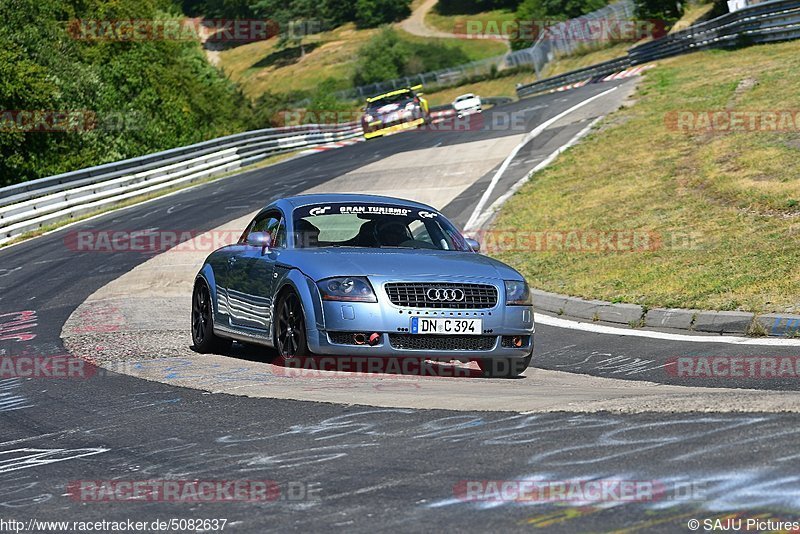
{"points": [[321, 198]]}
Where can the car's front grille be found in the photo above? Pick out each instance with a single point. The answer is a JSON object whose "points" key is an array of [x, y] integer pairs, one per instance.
{"points": [[441, 343], [442, 295]]}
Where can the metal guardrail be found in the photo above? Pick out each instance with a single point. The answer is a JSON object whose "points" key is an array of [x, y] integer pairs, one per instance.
{"points": [[31, 205], [776, 20]]}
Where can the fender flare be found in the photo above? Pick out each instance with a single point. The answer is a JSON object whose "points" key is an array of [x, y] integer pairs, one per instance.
{"points": [[207, 275], [310, 299]]}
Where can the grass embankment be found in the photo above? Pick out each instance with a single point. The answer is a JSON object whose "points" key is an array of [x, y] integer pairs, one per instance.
{"points": [[487, 20], [737, 194], [261, 66]]}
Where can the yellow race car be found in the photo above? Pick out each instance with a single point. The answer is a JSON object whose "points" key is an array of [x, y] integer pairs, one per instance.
{"points": [[396, 110]]}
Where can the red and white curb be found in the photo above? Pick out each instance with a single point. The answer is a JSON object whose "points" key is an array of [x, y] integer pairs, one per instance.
{"points": [[440, 116], [571, 86], [627, 73], [332, 146]]}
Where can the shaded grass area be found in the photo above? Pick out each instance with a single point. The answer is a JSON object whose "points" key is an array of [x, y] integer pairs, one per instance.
{"points": [[724, 203]]}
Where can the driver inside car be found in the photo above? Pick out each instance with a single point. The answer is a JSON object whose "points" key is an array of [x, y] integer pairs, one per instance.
{"points": [[392, 233]]}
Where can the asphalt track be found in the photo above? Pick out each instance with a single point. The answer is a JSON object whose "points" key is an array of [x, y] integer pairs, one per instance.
{"points": [[393, 469]]}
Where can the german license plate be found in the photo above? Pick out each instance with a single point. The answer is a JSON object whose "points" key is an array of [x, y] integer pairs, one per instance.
{"points": [[449, 326]]}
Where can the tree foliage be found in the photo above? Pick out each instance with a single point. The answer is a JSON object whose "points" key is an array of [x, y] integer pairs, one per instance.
{"points": [[387, 56], [146, 95]]}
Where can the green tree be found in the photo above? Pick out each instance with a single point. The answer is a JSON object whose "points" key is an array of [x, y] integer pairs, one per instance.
{"points": [[146, 95], [372, 13], [384, 57]]}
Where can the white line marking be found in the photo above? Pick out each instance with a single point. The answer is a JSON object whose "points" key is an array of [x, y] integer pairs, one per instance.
{"points": [[544, 163], [617, 331], [525, 140]]}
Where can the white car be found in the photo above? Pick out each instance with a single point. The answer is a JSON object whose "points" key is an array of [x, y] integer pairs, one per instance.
{"points": [[467, 104]]}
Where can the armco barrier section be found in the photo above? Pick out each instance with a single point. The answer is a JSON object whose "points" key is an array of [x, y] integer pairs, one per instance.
{"points": [[777, 20], [31, 205]]}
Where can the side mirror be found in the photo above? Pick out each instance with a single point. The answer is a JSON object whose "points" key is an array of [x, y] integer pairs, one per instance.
{"points": [[473, 244], [261, 240]]}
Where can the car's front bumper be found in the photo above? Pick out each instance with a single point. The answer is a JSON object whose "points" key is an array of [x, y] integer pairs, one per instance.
{"points": [[378, 129], [342, 320], [468, 111]]}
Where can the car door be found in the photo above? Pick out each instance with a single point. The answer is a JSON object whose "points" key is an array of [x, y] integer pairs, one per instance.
{"points": [[220, 262], [251, 276]]}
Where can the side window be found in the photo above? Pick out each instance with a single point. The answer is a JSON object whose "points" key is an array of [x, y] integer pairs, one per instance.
{"points": [[270, 223], [277, 229]]}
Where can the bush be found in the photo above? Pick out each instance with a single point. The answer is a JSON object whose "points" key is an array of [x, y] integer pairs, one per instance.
{"points": [[669, 12], [330, 13], [386, 56], [552, 10]]}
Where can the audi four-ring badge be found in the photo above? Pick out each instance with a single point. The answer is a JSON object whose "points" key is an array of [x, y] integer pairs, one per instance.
{"points": [[362, 275]]}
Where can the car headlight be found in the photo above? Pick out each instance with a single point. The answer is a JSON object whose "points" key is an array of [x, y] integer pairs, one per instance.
{"points": [[518, 293], [368, 117], [348, 288]]}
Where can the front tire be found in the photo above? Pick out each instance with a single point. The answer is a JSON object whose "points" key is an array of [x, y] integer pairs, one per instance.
{"points": [[290, 328], [504, 367], [203, 337]]}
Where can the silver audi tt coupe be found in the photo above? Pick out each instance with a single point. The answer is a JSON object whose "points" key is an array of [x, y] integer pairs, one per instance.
{"points": [[360, 275]]}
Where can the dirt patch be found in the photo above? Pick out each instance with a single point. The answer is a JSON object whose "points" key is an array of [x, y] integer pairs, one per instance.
{"points": [[745, 85]]}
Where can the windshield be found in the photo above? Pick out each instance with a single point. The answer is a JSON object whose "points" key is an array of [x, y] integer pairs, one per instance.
{"points": [[370, 225], [400, 98]]}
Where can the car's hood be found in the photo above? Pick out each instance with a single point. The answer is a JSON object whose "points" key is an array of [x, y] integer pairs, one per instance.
{"points": [[388, 108], [395, 263]]}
